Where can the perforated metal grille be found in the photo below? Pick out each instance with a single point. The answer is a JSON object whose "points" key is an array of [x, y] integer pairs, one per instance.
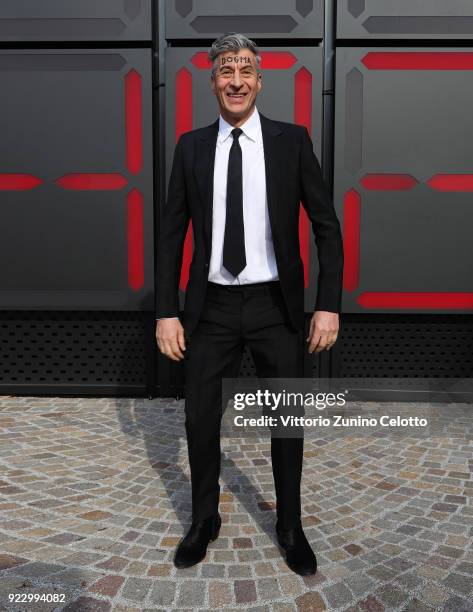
{"points": [[408, 345], [69, 351]]}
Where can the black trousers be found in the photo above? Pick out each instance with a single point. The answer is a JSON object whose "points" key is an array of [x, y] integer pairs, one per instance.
{"points": [[235, 315]]}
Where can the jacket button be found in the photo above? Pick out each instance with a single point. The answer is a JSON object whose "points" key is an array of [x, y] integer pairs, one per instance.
{"points": [[206, 265]]}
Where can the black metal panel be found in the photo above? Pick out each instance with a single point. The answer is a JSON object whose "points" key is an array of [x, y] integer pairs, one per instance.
{"points": [[76, 182], [193, 19], [75, 20], [402, 178], [88, 353], [409, 19]]}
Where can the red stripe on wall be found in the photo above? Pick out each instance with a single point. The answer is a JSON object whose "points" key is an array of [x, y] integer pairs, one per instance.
{"points": [[418, 60], [200, 60], [388, 182], [183, 102], [451, 182], [186, 258], [277, 60], [431, 300], [184, 124], [351, 240], [135, 239], [303, 98], [97, 181], [18, 182], [303, 116], [134, 122]]}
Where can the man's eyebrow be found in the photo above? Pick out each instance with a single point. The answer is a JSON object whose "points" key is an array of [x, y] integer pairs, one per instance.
{"points": [[246, 67]]}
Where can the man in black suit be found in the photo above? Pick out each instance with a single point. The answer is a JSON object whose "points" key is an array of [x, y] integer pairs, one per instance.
{"points": [[240, 180]]}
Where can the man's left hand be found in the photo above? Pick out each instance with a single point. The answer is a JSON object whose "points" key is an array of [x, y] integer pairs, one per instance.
{"points": [[323, 330]]}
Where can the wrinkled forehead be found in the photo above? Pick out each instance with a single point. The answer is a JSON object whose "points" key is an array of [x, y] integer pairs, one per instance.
{"points": [[239, 58]]}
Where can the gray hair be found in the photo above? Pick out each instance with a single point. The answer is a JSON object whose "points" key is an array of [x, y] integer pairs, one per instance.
{"points": [[232, 41]]}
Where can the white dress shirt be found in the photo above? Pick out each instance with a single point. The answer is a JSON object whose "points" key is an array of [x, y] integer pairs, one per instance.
{"points": [[260, 258]]}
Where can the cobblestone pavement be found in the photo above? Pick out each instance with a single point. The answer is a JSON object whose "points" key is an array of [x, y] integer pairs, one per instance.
{"points": [[94, 497]]}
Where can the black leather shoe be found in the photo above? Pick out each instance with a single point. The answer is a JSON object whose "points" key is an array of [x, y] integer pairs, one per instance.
{"points": [[299, 555], [193, 547]]}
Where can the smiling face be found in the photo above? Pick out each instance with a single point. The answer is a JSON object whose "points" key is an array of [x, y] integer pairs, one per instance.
{"points": [[236, 84]]}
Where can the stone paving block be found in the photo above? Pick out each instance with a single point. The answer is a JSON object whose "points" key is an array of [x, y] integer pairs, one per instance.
{"points": [[449, 551], [399, 563], [108, 586], [431, 572], [465, 568], [354, 565], [418, 556], [391, 596], [370, 604], [359, 584], [460, 583], [454, 528], [290, 585], [457, 604], [457, 541], [191, 593], [442, 562], [433, 594], [415, 605], [245, 591], [248, 555], [88, 604], [162, 592], [374, 557], [283, 607], [8, 561], [310, 602], [382, 572], [37, 569], [136, 589], [81, 558], [239, 571], [220, 594], [337, 595], [212, 570], [268, 589], [432, 536]]}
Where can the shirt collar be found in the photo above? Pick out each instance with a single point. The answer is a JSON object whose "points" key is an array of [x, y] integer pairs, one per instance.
{"points": [[251, 128]]}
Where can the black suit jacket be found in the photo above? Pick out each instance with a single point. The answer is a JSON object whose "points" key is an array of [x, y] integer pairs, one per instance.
{"points": [[293, 175]]}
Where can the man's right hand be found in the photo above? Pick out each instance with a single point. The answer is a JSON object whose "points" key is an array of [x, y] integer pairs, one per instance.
{"points": [[170, 337]]}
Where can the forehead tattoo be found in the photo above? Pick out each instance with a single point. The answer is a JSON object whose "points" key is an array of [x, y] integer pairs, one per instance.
{"points": [[237, 59]]}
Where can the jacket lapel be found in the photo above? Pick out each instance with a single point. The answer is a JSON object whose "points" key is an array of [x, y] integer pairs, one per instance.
{"points": [[206, 146], [204, 171], [274, 166]]}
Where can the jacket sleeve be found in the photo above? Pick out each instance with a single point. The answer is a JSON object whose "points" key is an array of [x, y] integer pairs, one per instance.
{"points": [[318, 203], [174, 222]]}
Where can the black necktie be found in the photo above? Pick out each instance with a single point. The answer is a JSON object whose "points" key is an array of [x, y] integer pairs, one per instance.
{"points": [[234, 258]]}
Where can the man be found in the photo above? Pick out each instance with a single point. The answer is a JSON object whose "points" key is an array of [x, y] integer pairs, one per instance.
{"points": [[240, 180]]}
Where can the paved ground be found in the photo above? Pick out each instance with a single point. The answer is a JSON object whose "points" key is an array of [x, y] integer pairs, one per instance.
{"points": [[94, 496]]}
